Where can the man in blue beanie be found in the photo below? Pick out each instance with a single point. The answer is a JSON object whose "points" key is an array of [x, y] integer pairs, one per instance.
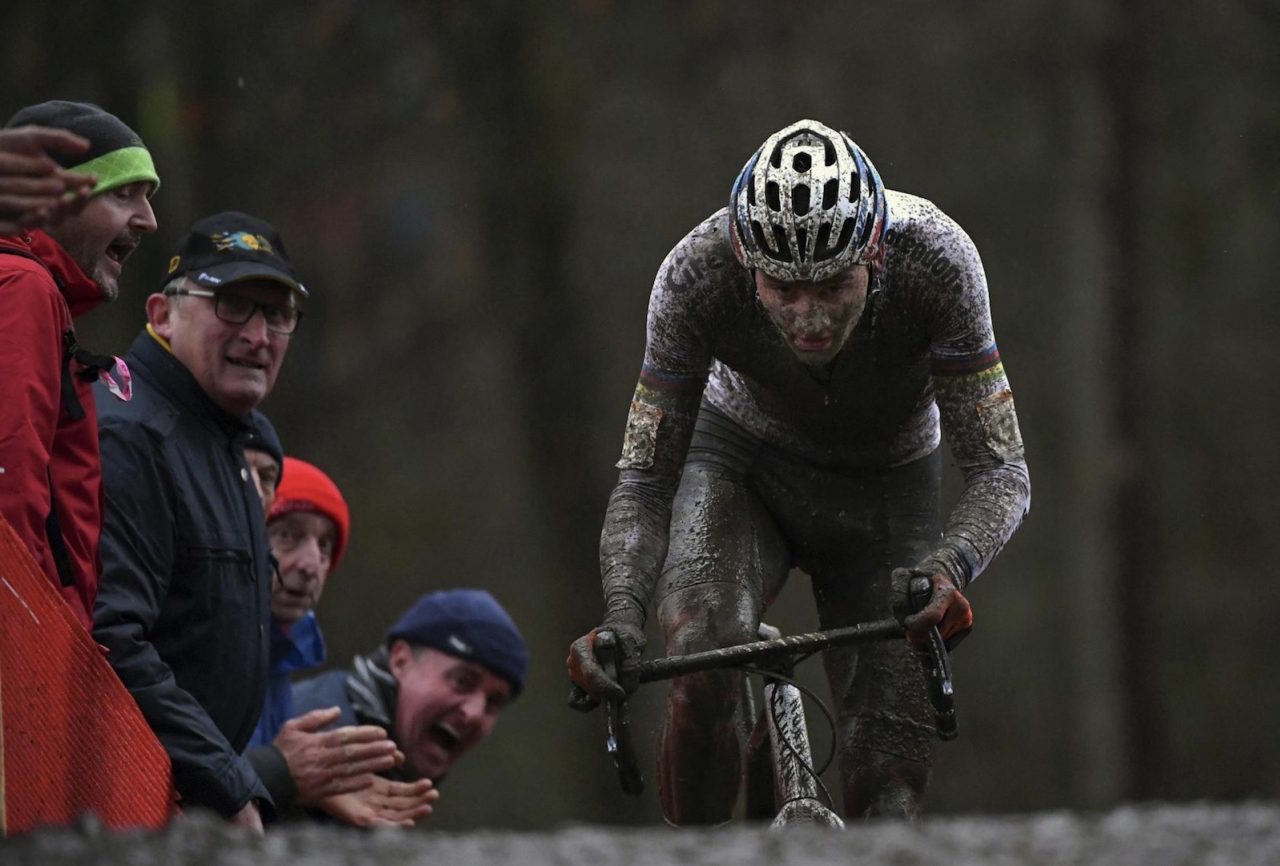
{"points": [[448, 667]]}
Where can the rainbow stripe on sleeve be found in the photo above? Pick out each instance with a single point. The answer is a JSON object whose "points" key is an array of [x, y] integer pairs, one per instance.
{"points": [[982, 366], [665, 388]]}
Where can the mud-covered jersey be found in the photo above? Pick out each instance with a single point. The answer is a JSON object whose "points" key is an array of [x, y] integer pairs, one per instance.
{"points": [[921, 361]]}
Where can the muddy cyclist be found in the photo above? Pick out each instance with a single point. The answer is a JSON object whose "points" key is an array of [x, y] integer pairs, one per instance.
{"points": [[807, 348]]}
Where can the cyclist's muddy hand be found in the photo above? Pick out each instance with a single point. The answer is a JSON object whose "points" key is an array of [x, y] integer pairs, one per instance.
{"points": [[589, 677], [947, 609]]}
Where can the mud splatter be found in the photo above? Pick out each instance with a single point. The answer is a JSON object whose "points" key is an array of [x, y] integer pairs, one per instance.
{"points": [[1243, 835]]}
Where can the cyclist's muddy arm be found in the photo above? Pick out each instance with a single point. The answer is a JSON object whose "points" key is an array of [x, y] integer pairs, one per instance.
{"points": [[633, 541], [981, 426], [977, 411]]}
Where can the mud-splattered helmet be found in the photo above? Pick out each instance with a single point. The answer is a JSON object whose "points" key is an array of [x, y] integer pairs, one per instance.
{"points": [[807, 205]]}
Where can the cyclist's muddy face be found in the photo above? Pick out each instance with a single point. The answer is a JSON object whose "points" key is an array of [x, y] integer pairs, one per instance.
{"points": [[815, 319], [445, 706]]}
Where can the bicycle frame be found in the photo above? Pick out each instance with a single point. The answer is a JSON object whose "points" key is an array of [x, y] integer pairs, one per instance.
{"points": [[779, 780], [795, 781]]}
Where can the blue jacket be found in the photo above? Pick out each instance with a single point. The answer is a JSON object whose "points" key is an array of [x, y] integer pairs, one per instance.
{"points": [[184, 601], [294, 648]]}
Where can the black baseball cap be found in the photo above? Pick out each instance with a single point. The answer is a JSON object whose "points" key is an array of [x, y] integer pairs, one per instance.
{"points": [[233, 246]]}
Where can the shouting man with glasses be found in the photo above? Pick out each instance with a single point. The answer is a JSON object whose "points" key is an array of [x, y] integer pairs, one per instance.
{"points": [[184, 602]]}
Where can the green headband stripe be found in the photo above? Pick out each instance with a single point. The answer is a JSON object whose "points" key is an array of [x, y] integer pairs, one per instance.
{"points": [[120, 167]]}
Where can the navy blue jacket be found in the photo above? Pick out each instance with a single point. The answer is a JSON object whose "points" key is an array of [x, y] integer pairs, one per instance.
{"points": [[184, 601], [324, 691]]}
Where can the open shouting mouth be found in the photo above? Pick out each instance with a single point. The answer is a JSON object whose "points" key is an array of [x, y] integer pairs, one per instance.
{"points": [[121, 249]]}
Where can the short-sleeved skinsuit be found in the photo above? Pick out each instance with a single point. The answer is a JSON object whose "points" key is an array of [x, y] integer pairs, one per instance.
{"points": [[740, 462]]}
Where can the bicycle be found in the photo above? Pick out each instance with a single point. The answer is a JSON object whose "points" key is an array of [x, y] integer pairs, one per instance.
{"points": [[789, 779]]}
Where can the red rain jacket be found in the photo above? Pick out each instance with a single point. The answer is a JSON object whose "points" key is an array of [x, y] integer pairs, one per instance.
{"points": [[49, 455]]}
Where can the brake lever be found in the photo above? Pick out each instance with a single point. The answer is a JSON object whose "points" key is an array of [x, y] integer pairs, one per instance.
{"points": [[936, 662], [937, 671], [618, 740]]}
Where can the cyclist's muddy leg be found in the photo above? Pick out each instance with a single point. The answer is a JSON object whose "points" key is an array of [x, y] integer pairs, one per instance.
{"points": [[887, 737], [724, 559]]}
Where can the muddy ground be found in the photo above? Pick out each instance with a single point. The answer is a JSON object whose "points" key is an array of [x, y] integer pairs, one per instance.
{"points": [[1221, 835]]}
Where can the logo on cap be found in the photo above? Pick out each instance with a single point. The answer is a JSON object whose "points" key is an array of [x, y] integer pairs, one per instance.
{"points": [[174, 262], [459, 645], [224, 241]]}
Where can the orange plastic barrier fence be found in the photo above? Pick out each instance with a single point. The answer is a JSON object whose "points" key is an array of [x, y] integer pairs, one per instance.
{"points": [[72, 740]]}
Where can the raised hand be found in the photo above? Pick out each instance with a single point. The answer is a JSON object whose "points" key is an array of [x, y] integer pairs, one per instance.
{"points": [[35, 191]]}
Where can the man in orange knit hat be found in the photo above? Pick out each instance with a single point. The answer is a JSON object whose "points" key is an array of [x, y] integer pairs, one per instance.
{"points": [[308, 524]]}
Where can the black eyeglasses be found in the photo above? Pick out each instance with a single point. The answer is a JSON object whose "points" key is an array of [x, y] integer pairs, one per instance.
{"points": [[237, 309]]}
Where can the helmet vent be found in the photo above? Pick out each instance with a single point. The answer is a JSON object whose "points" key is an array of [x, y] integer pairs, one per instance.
{"points": [[846, 234], [800, 200], [802, 243], [783, 253], [821, 251], [751, 191], [802, 162], [866, 231], [870, 223], [758, 233], [772, 196], [830, 190], [830, 150]]}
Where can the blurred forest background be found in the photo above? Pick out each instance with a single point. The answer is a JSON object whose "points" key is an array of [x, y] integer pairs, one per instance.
{"points": [[479, 194]]}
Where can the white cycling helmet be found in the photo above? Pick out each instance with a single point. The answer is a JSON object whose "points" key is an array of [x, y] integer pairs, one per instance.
{"points": [[807, 205]]}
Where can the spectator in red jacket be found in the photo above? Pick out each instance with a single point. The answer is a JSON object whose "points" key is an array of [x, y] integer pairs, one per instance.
{"points": [[50, 475]]}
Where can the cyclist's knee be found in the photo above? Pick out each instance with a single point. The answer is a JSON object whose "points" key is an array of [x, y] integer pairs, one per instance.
{"points": [[702, 698], [707, 616], [705, 699]]}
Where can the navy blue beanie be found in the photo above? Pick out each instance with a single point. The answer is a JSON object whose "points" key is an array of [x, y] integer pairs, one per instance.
{"points": [[468, 624], [263, 437]]}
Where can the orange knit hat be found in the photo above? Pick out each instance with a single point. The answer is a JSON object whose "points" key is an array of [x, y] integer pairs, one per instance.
{"points": [[303, 487]]}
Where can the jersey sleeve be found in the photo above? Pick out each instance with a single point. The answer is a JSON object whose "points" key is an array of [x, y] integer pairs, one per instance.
{"points": [[975, 403], [664, 406]]}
